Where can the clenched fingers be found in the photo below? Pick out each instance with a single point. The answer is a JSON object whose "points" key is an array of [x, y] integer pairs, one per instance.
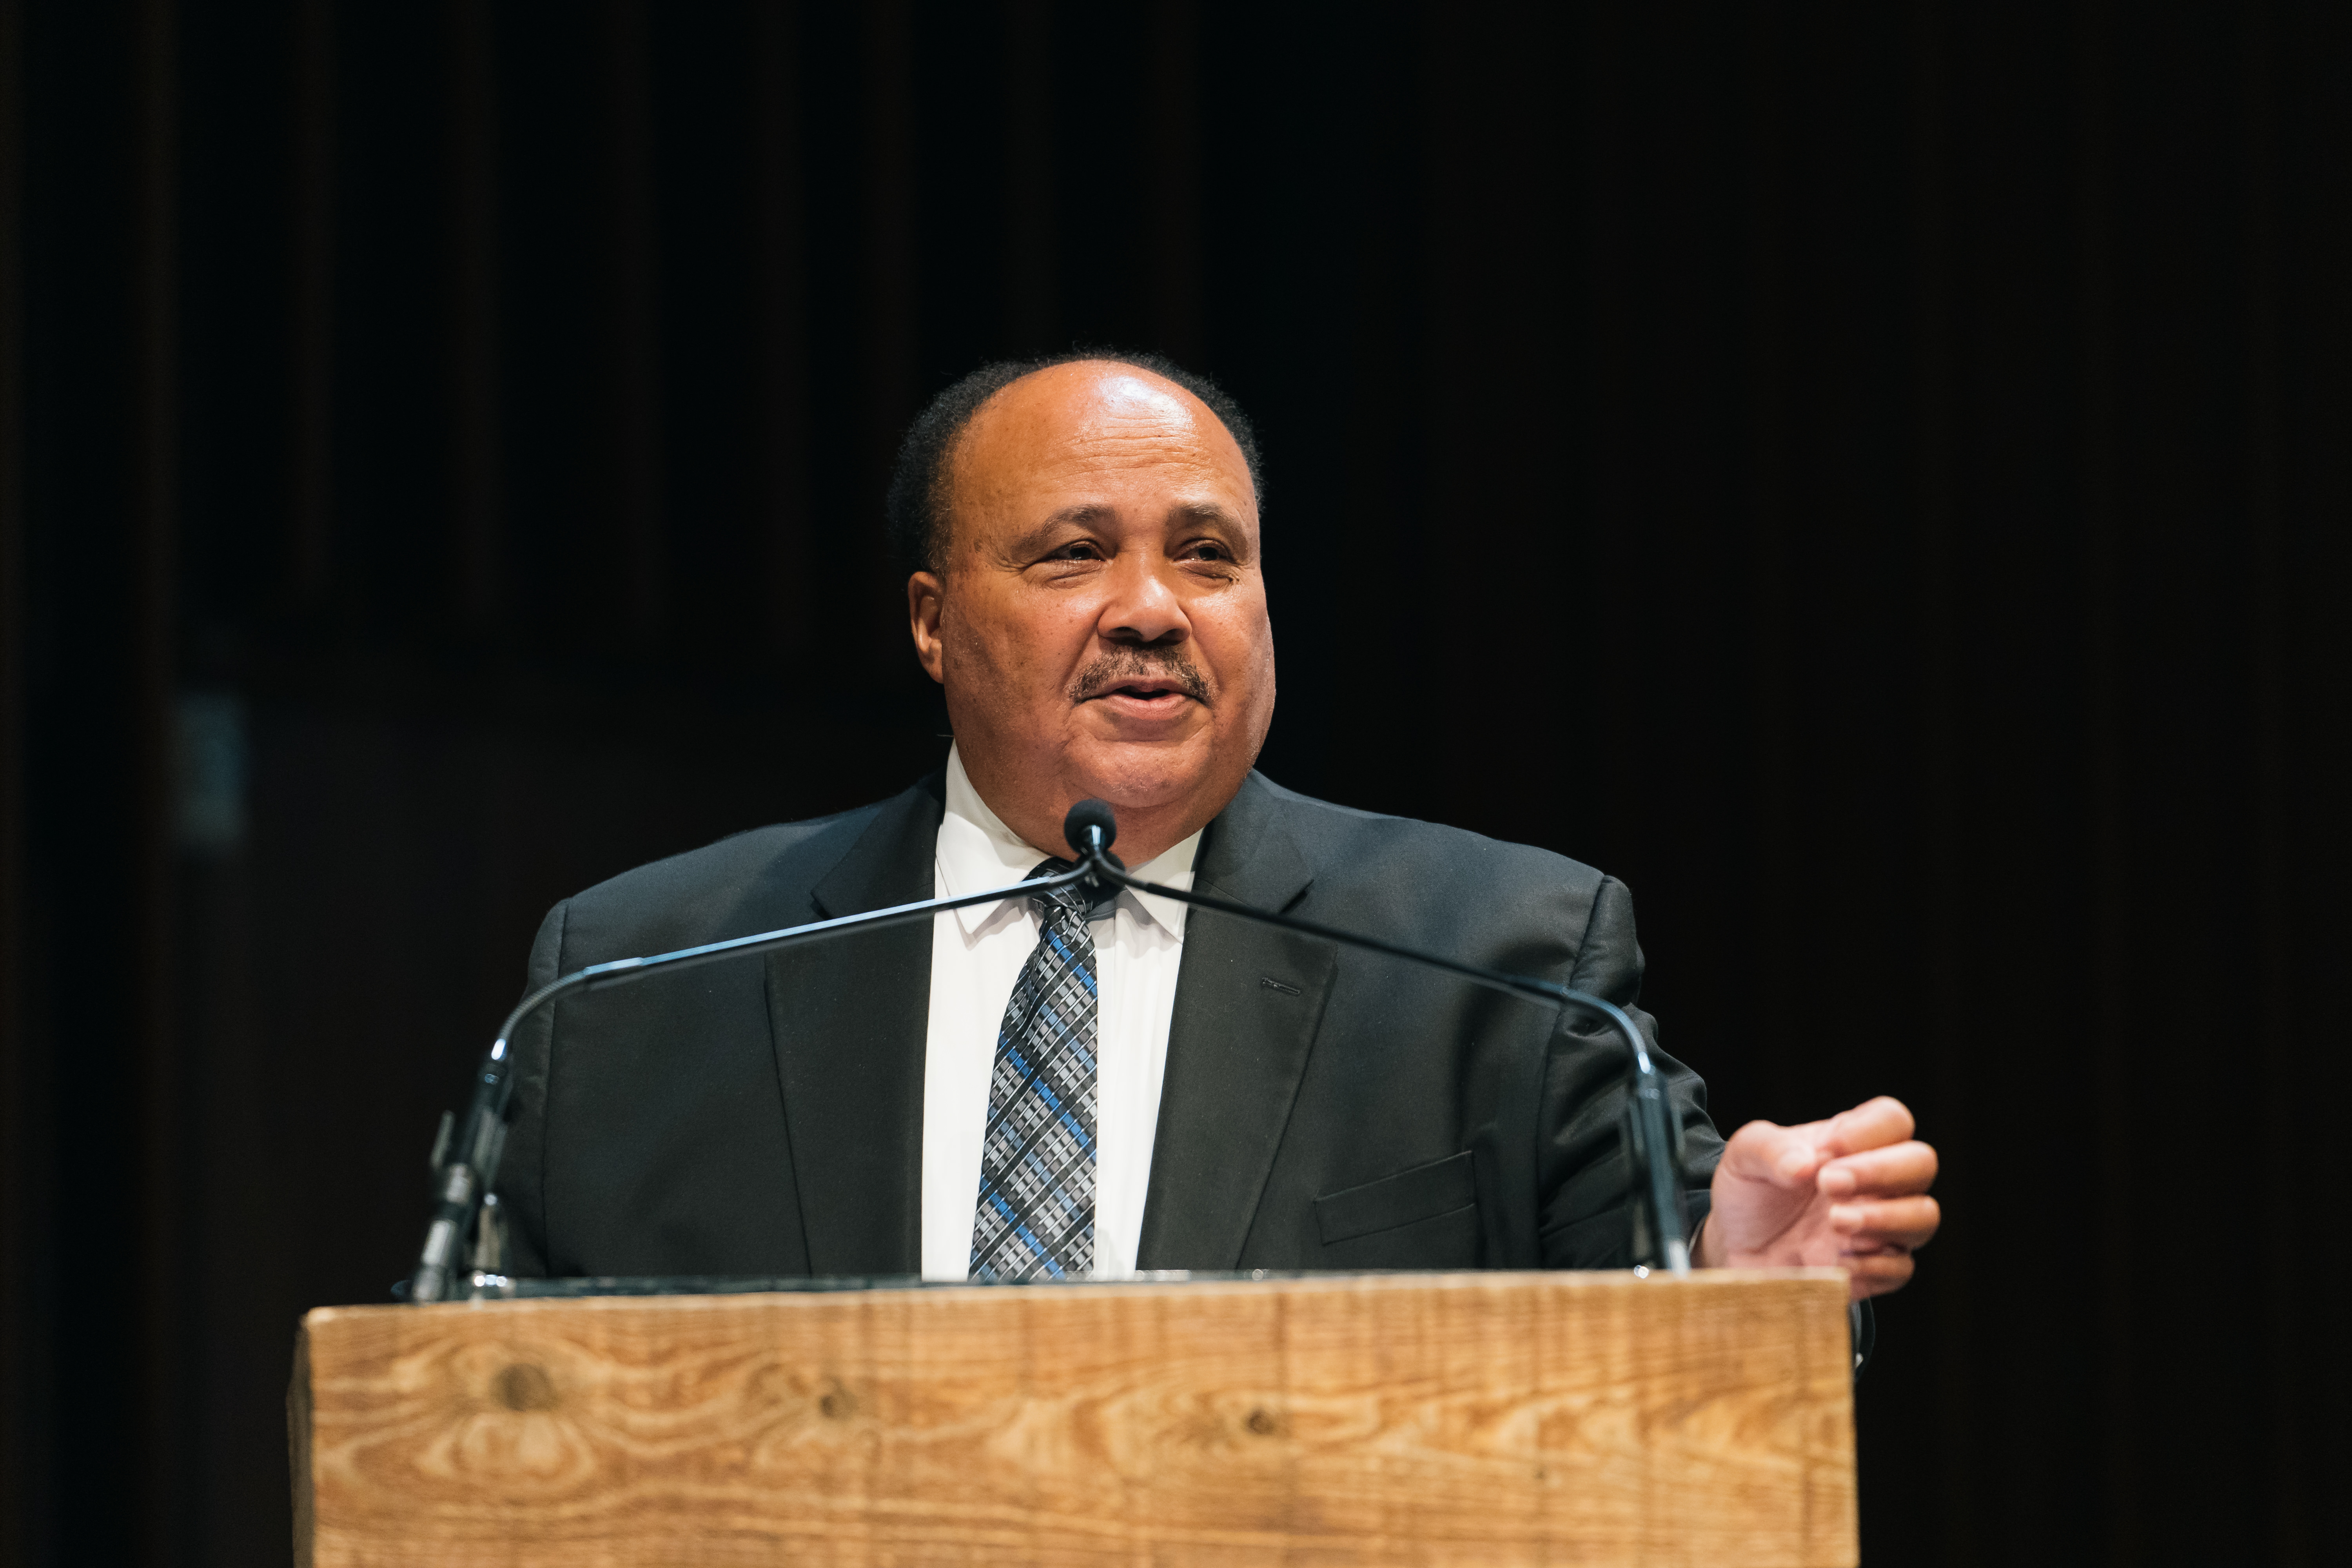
{"points": [[1903, 1223], [1877, 1273], [1895, 1171]]}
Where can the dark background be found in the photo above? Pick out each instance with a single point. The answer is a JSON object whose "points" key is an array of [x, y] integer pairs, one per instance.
{"points": [[1875, 478]]}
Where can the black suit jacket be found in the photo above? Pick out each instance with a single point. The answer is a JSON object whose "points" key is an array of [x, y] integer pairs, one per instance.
{"points": [[1322, 1109]]}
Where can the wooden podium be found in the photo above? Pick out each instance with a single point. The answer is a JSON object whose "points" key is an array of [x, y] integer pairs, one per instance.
{"points": [[1456, 1418]]}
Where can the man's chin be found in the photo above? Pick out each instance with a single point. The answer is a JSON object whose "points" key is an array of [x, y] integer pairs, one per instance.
{"points": [[1141, 775]]}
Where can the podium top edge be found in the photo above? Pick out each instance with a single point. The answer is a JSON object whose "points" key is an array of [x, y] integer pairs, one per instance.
{"points": [[609, 1294]]}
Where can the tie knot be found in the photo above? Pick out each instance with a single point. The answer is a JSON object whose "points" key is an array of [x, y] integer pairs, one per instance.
{"points": [[1072, 900]]}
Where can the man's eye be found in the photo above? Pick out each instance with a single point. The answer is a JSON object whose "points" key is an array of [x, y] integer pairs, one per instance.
{"points": [[1083, 549]]}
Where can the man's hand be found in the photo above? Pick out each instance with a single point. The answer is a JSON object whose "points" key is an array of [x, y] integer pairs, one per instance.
{"points": [[1849, 1192]]}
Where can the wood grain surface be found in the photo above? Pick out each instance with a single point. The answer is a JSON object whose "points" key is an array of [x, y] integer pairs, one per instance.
{"points": [[1425, 1419]]}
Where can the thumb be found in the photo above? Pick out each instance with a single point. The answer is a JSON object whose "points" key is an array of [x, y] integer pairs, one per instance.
{"points": [[1766, 1152]]}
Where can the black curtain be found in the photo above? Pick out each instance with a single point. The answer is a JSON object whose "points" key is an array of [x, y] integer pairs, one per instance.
{"points": [[1875, 479]]}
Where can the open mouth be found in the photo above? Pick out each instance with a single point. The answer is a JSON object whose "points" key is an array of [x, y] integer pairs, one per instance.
{"points": [[1163, 691], [1147, 700], [1141, 688]]}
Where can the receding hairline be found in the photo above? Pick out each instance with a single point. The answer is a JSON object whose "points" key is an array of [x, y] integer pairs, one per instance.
{"points": [[912, 503], [943, 477]]}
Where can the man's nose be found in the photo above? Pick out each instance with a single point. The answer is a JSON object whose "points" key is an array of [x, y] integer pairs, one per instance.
{"points": [[1142, 606]]}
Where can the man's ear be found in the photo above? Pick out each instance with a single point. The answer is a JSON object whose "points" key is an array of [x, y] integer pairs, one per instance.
{"points": [[926, 597]]}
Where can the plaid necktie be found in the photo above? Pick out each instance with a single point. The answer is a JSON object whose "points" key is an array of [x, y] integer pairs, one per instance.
{"points": [[1036, 1213]]}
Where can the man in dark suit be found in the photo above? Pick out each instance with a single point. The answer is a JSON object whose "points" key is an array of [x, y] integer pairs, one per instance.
{"points": [[1044, 1088]]}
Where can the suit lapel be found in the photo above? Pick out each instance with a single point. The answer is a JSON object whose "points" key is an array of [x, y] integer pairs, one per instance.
{"points": [[1248, 1000], [849, 1017]]}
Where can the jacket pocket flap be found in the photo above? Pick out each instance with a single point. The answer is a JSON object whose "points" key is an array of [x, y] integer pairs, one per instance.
{"points": [[1421, 1192]]}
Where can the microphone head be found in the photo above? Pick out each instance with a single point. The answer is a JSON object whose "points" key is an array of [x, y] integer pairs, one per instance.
{"points": [[1086, 814]]}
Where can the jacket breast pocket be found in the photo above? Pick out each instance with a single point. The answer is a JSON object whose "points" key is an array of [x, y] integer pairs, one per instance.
{"points": [[1423, 1217]]}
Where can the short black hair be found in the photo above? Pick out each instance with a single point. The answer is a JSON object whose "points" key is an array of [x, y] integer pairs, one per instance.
{"points": [[917, 504]]}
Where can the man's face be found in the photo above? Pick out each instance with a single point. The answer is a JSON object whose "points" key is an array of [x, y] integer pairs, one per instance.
{"points": [[1099, 622]]}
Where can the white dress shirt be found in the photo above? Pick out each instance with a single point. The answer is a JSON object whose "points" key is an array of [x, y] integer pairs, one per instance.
{"points": [[976, 956]]}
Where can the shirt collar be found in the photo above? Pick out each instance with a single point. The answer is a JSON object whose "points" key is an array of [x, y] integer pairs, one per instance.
{"points": [[977, 852]]}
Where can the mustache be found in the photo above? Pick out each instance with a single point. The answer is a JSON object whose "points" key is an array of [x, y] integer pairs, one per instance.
{"points": [[1115, 669]]}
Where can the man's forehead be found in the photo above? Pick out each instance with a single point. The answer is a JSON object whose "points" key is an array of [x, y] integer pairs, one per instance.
{"points": [[1091, 416], [1074, 405]]}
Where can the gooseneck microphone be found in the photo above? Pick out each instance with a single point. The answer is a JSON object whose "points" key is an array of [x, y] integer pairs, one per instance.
{"points": [[466, 1166], [1091, 829]]}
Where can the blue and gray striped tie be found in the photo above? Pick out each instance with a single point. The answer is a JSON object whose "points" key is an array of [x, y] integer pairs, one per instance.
{"points": [[1036, 1213]]}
